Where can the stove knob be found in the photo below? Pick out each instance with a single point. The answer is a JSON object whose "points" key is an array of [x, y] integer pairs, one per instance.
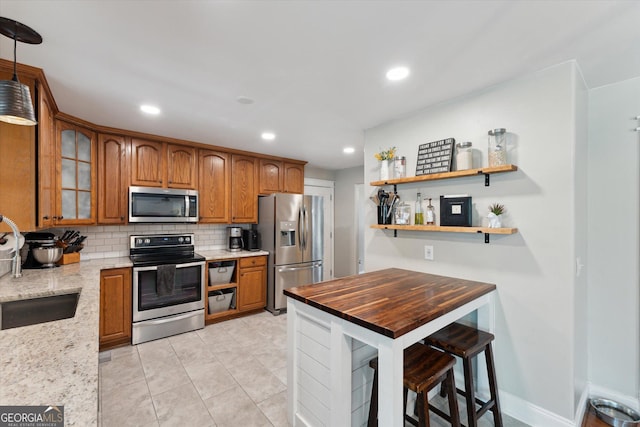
{"points": [[147, 241], [180, 239], [187, 239], [138, 242]]}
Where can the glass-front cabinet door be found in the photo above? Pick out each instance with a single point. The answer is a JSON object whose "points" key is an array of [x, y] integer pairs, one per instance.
{"points": [[76, 160]]}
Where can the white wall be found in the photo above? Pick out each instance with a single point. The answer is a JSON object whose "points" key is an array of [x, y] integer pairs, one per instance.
{"points": [[538, 354], [614, 201], [345, 229]]}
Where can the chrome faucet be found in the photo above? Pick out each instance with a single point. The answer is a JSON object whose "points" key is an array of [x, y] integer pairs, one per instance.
{"points": [[16, 262]]}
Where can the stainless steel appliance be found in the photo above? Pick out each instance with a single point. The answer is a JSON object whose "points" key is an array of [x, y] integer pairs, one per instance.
{"points": [[234, 237], [148, 204], [168, 286], [291, 228]]}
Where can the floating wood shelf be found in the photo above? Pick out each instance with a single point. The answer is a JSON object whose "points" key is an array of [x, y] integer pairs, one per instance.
{"points": [[448, 175], [447, 229]]}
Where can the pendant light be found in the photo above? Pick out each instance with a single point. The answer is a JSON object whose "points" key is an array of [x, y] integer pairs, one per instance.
{"points": [[15, 98]]}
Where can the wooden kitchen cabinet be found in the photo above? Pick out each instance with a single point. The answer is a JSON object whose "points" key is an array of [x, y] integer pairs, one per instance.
{"points": [[115, 307], [182, 167], [252, 283], [293, 181], [113, 183], [214, 185], [46, 161], [147, 163], [281, 177], [75, 202], [18, 169], [244, 189], [158, 164], [271, 176]]}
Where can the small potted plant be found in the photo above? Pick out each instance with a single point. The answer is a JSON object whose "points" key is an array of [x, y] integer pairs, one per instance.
{"points": [[384, 157], [495, 215]]}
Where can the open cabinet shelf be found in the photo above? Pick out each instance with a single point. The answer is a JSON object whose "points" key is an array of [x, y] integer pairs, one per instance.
{"points": [[447, 229], [449, 175]]}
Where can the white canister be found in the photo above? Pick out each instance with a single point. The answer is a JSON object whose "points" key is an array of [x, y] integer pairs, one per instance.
{"points": [[464, 156]]}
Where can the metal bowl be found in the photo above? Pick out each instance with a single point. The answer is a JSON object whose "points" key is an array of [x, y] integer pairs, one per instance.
{"points": [[47, 256], [615, 414]]}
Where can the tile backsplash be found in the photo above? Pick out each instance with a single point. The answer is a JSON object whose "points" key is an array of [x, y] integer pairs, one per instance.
{"points": [[108, 241]]}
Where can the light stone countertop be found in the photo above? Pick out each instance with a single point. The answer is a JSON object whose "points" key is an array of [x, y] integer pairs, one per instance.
{"points": [[56, 363], [215, 254]]}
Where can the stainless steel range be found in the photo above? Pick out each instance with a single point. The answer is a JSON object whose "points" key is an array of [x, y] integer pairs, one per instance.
{"points": [[168, 286]]}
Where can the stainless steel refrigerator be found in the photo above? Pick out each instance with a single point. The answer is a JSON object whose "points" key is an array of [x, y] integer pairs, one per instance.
{"points": [[291, 229]]}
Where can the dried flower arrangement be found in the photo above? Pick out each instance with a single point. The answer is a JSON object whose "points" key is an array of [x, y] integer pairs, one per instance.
{"points": [[386, 155]]}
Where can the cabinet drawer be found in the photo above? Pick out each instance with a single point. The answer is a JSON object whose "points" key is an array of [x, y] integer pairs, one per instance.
{"points": [[254, 261]]}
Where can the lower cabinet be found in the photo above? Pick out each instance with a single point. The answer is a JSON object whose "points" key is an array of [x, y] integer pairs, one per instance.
{"points": [[235, 286], [252, 283], [115, 307]]}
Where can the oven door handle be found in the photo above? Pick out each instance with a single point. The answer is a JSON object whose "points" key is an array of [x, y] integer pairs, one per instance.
{"points": [[155, 267], [172, 318]]}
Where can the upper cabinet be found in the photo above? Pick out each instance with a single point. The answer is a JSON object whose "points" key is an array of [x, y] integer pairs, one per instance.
{"points": [[147, 163], [281, 177], [293, 178], [159, 164], [214, 182], [46, 162], [75, 175], [182, 167], [271, 176], [113, 183], [244, 189]]}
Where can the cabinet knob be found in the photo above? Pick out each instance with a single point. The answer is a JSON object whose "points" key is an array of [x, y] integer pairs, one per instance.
{"points": [[60, 217], [45, 217], [121, 218]]}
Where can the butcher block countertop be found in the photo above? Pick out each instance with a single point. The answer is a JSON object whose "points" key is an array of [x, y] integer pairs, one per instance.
{"points": [[390, 302]]}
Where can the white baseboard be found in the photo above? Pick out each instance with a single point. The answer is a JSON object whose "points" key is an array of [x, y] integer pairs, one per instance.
{"points": [[531, 414], [630, 401]]}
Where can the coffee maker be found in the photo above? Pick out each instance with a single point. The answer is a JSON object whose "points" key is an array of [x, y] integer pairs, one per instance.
{"points": [[251, 239], [234, 235]]}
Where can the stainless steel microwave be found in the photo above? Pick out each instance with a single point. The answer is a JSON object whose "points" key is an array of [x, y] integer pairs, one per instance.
{"points": [[149, 204]]}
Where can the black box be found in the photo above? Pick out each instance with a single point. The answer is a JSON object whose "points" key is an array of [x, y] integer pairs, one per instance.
{"points": [[455, 211]]}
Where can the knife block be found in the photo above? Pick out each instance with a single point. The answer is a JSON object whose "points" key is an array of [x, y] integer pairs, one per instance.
{"points": [[71, 258]]}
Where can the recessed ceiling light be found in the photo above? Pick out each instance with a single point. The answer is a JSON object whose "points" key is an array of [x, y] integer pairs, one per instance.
{"points": [[244, 100], [150, 109], [398, 73], [348, 150], [268, 136]]}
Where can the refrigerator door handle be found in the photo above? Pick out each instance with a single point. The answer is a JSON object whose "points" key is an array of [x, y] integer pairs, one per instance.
{"points": [[300, 230], [306, 228], [308, 267]]}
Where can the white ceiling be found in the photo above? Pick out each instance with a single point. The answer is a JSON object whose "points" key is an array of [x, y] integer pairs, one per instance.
{"points": [[314, 68]]}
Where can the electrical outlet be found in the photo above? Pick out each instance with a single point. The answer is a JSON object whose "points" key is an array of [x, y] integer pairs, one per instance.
{"points": [[428, 252]]}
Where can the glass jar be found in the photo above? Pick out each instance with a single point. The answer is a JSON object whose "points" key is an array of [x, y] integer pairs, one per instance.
{"points": [[464, 156], [402, 214], [399, 167], [497, 147]]}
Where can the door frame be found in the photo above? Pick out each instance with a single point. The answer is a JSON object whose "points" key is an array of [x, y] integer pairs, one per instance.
{"points": [[322, 187]]}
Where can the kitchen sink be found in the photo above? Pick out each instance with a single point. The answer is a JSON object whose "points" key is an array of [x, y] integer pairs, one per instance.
{"points": [[14, 314]]}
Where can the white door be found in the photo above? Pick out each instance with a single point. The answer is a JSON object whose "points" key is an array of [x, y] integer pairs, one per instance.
{"points": [[324, 188]]}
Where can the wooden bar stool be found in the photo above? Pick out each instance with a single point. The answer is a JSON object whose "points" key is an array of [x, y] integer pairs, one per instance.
{"points": [[424, 368], [467, 342]]}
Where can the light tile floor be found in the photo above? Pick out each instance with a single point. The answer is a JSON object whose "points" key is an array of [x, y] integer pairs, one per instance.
{"points": [[231, 373]]}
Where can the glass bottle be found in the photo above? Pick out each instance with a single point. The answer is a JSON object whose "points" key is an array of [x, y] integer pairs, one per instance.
{"points": [[430, 214], [497, 147], [418, 214]]}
